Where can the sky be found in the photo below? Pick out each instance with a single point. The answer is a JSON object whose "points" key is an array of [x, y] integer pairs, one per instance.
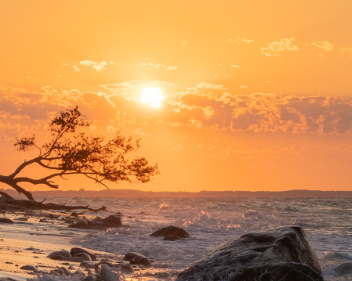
{"points": [[257, 95]]}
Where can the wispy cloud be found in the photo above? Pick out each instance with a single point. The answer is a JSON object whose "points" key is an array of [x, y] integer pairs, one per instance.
{"points": [[347, 51], [276, 48], [240, 40], [157, 66], [325, 45], [98, 66]]}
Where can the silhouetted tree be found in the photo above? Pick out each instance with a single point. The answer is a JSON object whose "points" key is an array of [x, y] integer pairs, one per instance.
{"points": [[72, 151]]}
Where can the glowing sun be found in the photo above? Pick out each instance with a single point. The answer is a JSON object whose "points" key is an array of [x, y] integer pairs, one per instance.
{"points": [[152, 95]]}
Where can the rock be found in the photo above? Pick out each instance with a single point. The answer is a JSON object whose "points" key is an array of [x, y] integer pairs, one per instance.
{"points": [[171, 238], [61, 271], [81, 224], [106, 274], [113, 221], [343, 269], [75, 251], [6, 220], [71, 259], [173, 232], [127, 269], [74, 214], [29, 267], [137, 258], [21, 219], [43, 220], [281, 254], [62, 253], [99, 223], [85, 256], [87, 264]]}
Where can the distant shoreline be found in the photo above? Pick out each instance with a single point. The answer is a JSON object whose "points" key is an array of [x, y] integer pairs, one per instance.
{"points": [[132, 193]]}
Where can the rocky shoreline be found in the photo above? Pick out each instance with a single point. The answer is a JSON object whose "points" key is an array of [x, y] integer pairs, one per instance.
{"points": [[36, 245]]}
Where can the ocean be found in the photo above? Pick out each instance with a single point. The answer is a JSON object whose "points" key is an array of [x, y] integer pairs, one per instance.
{"points": [[212, 221]]}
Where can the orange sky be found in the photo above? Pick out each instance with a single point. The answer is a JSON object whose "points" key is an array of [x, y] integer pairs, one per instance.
{"points": [[258, 94]]}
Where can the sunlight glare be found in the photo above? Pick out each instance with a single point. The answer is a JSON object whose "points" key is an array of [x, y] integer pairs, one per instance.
{"points": [[152, 95]]}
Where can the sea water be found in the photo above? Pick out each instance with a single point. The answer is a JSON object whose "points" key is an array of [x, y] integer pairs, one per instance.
{"points": [[212, 221]]}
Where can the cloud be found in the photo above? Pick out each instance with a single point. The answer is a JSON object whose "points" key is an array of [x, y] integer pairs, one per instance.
{"points": [[75, 68], [131, 90], [157, 66], [240, 40], [325, 45], [275, 48], [347, 51], [211, 106], [98, 66]]}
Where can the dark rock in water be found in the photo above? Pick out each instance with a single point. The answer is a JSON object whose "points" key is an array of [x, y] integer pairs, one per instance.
{"points": [[281, 254], [173, 232], [137, 258], [171, 238], [62, 253], [343, 269], [6, 220], [113, 221], [75, 251], [29, 267], [99, 223]]}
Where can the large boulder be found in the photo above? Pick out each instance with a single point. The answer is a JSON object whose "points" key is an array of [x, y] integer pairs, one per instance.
{"points": [[281, 254], [171, 233]]}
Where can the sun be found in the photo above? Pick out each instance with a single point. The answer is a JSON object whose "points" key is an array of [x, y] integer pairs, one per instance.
{"points": [[153, 96]]}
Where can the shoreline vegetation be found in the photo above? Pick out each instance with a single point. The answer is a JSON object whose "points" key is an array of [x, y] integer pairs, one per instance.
{"points": [[133, 193]]}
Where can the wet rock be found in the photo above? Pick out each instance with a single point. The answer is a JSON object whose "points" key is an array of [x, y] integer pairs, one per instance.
{"points": [[62, 253], [83, 255], [29, 267], [137, 258], [113, 220], [83, 224], [71, 259], [21, 219], [281, 254], [99, 223], [106, 274], [74, 214], [171, 238], [127, 269], [43, 220], [87, 264], [343, 269], [75, 251], [172, 232], [61, 271], [6, 220]]}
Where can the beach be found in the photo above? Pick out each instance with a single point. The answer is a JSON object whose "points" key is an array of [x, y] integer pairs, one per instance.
{"points": [[209, 222]]}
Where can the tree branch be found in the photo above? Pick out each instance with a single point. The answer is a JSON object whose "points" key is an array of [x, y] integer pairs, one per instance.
{"points": [[23, 165]]}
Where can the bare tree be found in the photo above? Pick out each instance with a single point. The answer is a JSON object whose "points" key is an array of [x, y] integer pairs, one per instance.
{"points": [[72, 151]]}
